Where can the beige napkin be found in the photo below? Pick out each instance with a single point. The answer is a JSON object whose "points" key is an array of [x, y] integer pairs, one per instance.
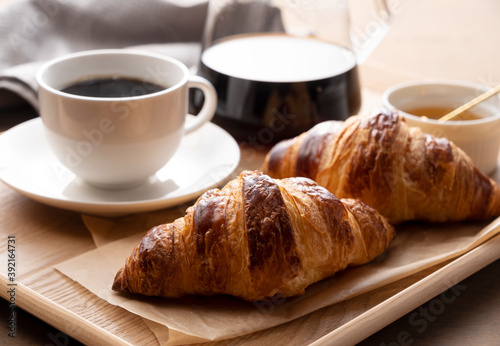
{"points": [[196, 319]]}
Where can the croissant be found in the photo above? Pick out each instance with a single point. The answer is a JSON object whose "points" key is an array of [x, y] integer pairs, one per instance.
{"points": [[255, 238], [400, 171]]}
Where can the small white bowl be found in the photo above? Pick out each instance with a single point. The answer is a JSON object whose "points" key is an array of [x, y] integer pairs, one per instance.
{"points": [[480, 139]]}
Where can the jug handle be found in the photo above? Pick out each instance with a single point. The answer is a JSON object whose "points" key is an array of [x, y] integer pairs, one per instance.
{"points": [[366, 40]]}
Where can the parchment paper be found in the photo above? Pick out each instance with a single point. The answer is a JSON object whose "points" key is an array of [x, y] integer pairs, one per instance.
{"points": [[196, 319]]}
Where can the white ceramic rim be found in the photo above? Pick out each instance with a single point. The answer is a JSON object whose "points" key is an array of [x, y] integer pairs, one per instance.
{"points": [[121, 51], [54, 198], [444, 82]]}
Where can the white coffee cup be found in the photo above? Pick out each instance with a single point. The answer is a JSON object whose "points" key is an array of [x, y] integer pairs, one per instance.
{"points": [[480, 139], [118, 142]]}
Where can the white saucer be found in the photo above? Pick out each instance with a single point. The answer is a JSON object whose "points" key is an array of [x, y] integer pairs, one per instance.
{"points": [[204, 160]]}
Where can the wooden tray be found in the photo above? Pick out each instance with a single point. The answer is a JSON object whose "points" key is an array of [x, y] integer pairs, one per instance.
{"points": [[45, 236]]}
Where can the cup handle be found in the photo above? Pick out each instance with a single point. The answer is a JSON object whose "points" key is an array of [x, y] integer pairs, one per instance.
{"points": [[209, 106]]}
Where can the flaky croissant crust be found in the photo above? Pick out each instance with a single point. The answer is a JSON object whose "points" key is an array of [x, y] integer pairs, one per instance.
{"points": [[400, 171], [255, 238]]}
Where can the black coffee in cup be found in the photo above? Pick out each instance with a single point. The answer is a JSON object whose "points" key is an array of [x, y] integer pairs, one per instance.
{"points": [[277, 86], [112, 87]]}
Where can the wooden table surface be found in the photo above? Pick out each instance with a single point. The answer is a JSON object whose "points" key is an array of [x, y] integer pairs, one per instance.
{"points": [[429, 39]]}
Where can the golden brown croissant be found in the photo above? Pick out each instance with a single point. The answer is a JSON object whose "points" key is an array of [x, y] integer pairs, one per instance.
{"points": [[400, 171], [255, 238]]}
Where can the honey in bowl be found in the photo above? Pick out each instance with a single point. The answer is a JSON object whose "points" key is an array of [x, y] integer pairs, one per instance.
{"points": [[438, 112]]}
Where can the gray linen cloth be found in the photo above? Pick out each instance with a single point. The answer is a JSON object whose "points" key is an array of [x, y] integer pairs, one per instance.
{"points": [[34, 31]]}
